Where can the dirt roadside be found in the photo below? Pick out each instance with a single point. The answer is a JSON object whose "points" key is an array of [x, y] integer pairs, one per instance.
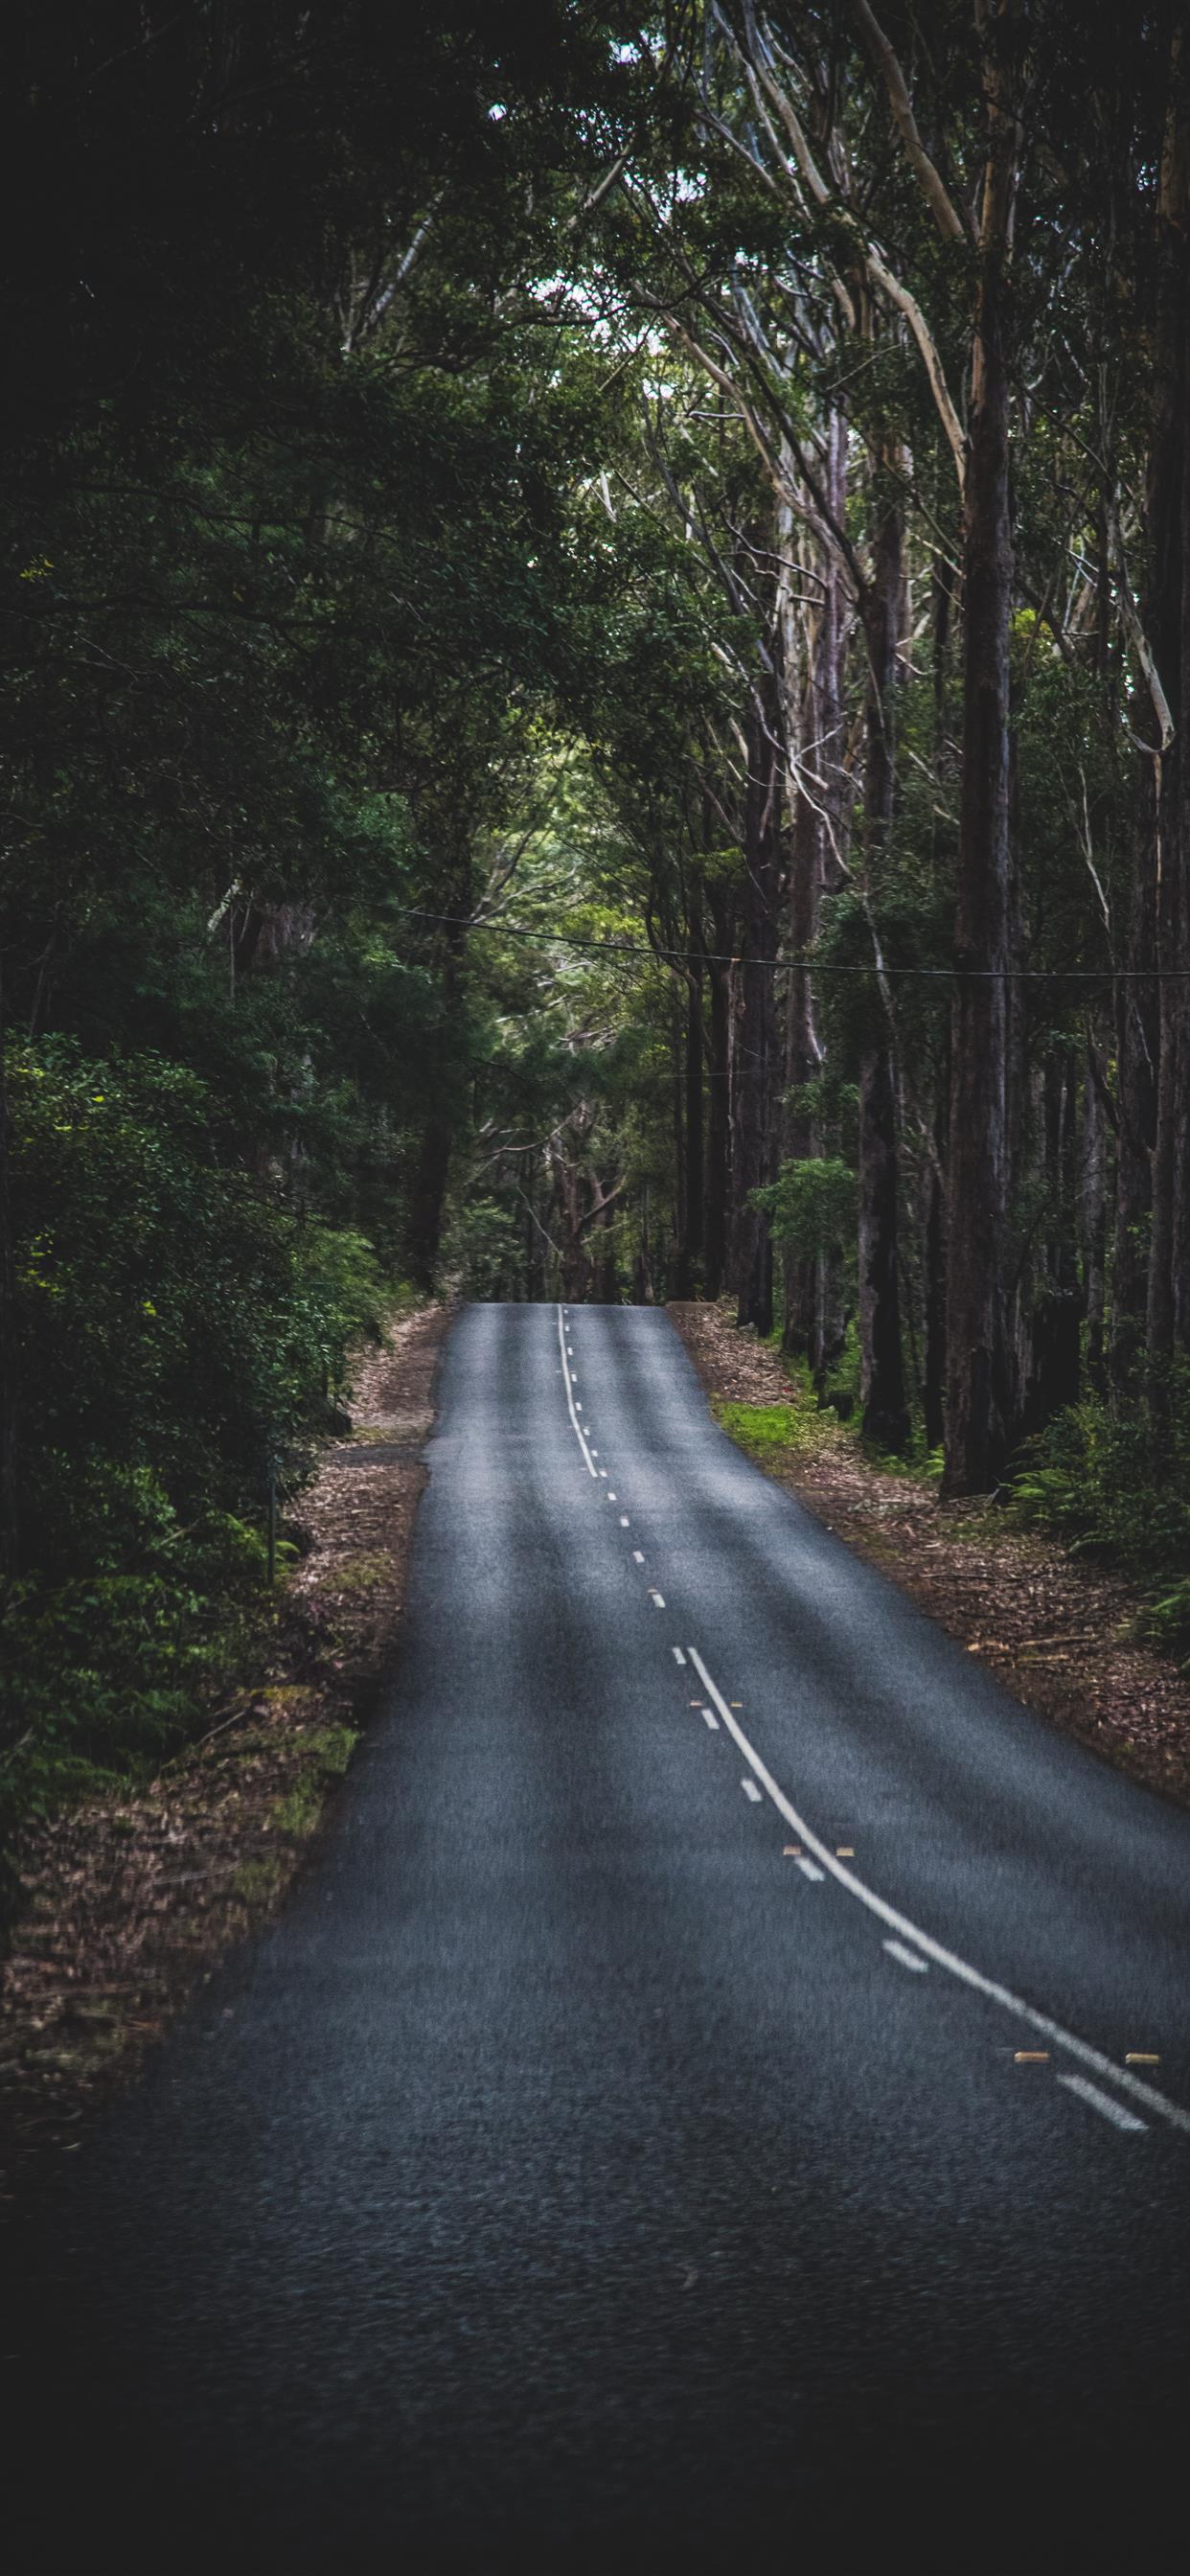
{"points": [[130, 1900], [1057, 1632]]}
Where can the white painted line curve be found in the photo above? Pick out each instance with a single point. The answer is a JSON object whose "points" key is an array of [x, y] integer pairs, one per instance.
{"points": [[1124, 2081], [1102, 2102], [575, 1423]]}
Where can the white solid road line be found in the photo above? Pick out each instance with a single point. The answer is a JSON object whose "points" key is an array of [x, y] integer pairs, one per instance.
{"points": [[751, 1791], [1121, 2077], [923, 1941], [1113, 2111], [908, 1958], [578, 1428]]}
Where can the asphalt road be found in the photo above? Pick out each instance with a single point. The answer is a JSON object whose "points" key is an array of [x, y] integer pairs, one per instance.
{"points": [[572, 2179]]}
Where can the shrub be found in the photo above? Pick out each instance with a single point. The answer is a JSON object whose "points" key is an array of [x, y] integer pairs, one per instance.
{"points": [[1095, 1475], [811, 1206], [179, 1327]]}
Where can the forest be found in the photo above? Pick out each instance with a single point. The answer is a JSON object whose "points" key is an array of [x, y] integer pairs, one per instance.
{"points": [[597, 608]]}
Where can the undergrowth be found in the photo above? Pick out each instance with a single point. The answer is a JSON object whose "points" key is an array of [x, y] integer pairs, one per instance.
{"points": [[183, 1339], [1114, 1482], [771, 1431]]}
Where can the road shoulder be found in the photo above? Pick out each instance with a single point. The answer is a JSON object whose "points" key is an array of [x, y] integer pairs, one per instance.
{"points": [[1059, 1634]]}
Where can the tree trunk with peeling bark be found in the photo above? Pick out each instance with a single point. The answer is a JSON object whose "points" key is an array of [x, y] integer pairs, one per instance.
{"points": [[1169, 1246], [1147, 1038], [817, 834], [882, 1367], [718, 1180], [978, 1426], [755, 1063]]}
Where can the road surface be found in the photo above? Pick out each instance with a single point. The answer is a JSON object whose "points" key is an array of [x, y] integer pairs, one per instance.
{"points": [[683, 2115]]}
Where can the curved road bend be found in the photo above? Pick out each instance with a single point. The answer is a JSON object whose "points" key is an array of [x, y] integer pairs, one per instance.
{"points": [[684, 2113]]}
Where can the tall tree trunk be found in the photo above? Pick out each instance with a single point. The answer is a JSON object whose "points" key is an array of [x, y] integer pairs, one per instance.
{"points": [[679, 1269], [882, 1368], [1144, 1167], [934, 1374], [609, 1286], [718, 1105], [817, 834], [978, 1429], [692, 1239], [754, 1054], [1093, 1217], [427, 1199], [802, 1057], [1169, 1252]]}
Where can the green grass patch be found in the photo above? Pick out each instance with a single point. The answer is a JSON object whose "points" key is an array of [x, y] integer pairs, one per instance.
{"points": [[256, 1881], [325, 1756], [361, 1573], [298, 1811], [771, 1432]]}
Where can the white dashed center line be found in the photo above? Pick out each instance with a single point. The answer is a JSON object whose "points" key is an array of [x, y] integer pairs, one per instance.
{"points": [[711, 1720], [637, 1557], [678, 1656], [907, 1958], [809, 1869], [623, 1516], [657, 1599], [751, 1791]]}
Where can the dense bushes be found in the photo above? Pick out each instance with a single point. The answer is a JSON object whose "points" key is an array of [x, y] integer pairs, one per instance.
{"points": [[1117, 1484], [181, 1331]]}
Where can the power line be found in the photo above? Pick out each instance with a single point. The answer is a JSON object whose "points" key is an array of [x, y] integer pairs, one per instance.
{"points": [[629, 950]]}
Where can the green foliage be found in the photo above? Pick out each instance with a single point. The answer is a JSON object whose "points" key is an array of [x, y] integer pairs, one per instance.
{"points": [[811, 1206], [771, 1432], [1110, 1483], [483, 1251], [179, 1327]]}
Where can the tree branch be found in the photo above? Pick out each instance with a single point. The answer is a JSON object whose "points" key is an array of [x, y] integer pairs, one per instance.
{"points": [[946, 216]]}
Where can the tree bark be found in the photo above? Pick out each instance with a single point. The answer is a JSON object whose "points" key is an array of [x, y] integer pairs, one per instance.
{"points": [[1169, 1249], [882, 1368], [427, 1198], [718, 1107], [1093, 1219], [754, 1052], [1144, 1166], [978, 1428], [934, 1374], [695, 1147]]}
